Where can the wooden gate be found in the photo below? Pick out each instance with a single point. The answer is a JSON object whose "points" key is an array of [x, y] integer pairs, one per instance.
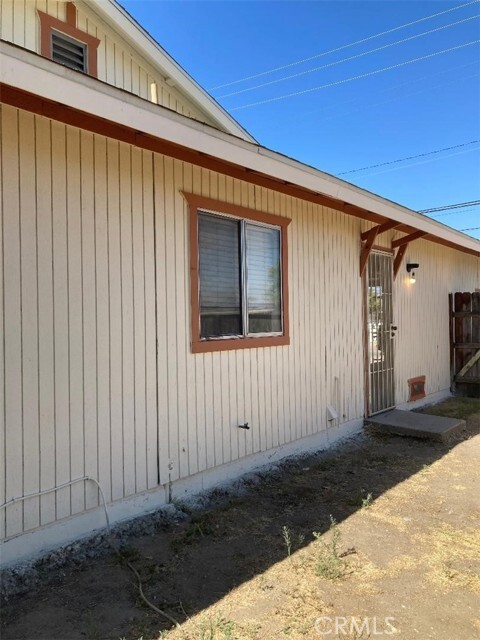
{"points": [[465, 342]]}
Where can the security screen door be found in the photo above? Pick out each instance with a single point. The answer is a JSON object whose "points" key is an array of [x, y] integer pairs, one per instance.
{"points": [[380, 332]]}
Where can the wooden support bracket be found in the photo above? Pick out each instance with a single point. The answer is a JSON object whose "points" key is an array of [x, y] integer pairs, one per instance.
{"points": [[402, 244], [398, 259], [407, 239], [367, 248], [381, 228]]}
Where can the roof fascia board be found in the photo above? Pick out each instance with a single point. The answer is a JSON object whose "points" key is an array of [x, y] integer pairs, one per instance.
{"points": [[109, 10], [25, 70]]}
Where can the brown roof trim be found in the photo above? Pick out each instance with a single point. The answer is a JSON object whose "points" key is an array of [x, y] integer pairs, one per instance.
{"points": [[83, 120]]}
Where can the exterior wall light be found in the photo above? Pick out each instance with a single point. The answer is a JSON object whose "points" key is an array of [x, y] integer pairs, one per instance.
{"points": [[411, 266]]}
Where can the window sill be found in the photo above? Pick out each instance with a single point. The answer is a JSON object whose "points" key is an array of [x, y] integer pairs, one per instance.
{"points": [[210, 346]]}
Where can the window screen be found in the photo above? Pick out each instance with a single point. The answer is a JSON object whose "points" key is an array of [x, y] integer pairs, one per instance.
{"points": [[69, 52], [220, 276], [263, 279]]}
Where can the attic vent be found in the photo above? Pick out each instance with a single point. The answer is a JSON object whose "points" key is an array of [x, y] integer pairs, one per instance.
{"points": [[69, 52]]}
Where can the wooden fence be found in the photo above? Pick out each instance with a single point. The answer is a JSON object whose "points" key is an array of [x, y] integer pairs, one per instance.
{"points": [[465, 342]]}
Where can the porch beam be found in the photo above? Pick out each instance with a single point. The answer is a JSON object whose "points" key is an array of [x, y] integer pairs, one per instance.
{"points": [[381, 228], [367, 248], [398, 259], [400, 242]]}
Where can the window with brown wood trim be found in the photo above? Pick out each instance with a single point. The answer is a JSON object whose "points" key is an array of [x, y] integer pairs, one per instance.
{"points": [[64, 43], [238, 276]]}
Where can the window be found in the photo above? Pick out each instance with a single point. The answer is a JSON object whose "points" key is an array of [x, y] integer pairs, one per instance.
{"points": [[238, 276], [62, 42]]}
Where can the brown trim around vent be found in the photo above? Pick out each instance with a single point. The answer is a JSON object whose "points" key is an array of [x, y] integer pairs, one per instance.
{"points": [[49, 23]]}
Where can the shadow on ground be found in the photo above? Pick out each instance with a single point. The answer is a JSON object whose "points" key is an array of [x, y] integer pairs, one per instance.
{"points": [[187, 566]]}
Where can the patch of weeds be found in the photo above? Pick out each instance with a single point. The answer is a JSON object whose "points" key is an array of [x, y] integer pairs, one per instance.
{"points": [[93, 631], [196, 530], [329, 562], [216, 629], [287, 539], [290, 541], [367, 501], [127, 554], [181, 505], [325, 465]]}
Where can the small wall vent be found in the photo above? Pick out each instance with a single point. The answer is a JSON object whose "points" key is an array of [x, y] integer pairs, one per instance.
{"points": [[69, 52], [417, 388]]}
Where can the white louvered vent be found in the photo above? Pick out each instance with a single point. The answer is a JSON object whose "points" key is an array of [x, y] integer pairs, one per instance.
{"points": [[69, 52]]}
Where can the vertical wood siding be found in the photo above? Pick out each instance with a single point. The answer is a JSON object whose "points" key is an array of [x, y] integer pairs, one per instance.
{"points": [[118, 63], [96, 276], [422, 314], [79, 312]]}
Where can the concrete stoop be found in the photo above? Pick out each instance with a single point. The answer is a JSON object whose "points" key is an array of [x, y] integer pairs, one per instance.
{"points": [[417, 425]]}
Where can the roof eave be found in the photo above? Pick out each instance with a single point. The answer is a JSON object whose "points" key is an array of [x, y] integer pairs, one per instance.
{"points": [[158, 128], [152, 51]]}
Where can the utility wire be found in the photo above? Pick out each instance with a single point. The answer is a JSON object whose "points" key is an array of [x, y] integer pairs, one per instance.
{"points": [[460, 211], [456, 205], [470, 229], [360, 76], [414, 164], [302, 117], [420, 155], [358, 55], [345, 46]]}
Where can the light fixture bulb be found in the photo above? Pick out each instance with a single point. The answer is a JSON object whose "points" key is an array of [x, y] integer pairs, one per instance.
{"points": [[412, 277]]}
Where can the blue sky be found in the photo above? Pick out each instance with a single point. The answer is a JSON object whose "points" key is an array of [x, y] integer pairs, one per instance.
{"points": [[415, 108]]}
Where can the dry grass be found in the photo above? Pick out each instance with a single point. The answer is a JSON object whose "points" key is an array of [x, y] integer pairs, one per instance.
{"points": [[253, 569]]}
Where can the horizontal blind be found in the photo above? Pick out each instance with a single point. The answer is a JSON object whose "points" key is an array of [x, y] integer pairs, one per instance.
{"points": [[263, 279], [219, 271]]}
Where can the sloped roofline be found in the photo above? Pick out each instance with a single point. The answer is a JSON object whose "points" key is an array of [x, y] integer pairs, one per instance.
{"points": [[75, 100], [143, 42]]}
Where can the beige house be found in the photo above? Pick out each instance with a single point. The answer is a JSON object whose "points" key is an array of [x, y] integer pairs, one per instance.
{"points": [[167, 282]]}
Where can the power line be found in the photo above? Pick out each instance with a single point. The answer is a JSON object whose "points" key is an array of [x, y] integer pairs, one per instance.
{"points": [[470, 229], [302, 117], [345, 46], [358, 55], [414, 164], [420, 155], [457, 212], [456, 205], [363, 75]]}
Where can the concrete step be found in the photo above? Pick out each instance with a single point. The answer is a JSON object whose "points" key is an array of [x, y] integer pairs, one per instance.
{"points": [[417, 425]]}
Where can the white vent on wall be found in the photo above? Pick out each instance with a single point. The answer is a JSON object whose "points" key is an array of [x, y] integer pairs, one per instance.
{"points": [[69, 52]]}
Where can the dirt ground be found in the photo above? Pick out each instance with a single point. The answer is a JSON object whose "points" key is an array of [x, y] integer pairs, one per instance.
{"points": [[397, 549]]}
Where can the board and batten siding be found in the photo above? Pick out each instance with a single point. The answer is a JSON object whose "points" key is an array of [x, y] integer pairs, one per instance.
{"points": [[83, 217], [97, 374], [420, 311], [118, 63], [423, 343]]}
